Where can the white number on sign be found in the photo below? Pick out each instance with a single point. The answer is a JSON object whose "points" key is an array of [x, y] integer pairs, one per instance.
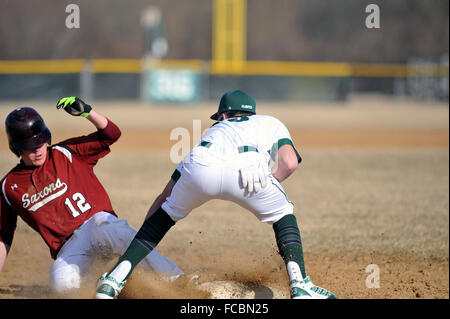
{"points": [[79, 199]]}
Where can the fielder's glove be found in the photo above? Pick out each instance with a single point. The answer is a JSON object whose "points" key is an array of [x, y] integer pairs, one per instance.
{"points": [[74, 106], [254, 171]]}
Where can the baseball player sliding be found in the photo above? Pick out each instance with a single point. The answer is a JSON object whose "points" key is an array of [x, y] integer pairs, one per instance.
{"points": [[231, 162], [55, 191]]}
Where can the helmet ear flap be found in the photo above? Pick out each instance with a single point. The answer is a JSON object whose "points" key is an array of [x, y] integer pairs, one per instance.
{"points": [[15, 151]]}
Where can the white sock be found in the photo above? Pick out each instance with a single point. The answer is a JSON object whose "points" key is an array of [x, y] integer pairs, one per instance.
{"points": [[294, 272], [121, 271]]}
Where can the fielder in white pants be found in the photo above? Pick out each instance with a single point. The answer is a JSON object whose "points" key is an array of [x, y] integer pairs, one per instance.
{"points": [[242, 158]]}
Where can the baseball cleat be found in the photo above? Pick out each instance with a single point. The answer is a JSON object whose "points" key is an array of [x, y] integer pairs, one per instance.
{"points": [[108, 287], [305, 289]]}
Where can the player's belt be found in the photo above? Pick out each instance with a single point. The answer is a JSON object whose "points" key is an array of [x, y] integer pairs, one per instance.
{"points": [[241, 149], [205, 144], [245, 148]]}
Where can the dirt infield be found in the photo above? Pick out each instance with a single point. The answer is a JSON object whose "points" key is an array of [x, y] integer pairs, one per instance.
{"points": [[372, 190]]}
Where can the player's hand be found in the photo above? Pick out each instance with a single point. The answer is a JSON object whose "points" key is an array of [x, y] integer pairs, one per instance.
{"points": [[74, 106], [253, 170], [253, 178]]}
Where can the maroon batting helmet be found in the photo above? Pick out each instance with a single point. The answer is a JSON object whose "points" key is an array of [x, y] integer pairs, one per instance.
{"points": [[26, 130]]}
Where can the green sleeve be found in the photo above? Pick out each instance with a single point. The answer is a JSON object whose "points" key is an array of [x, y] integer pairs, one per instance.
{"points": [[284, 141]]}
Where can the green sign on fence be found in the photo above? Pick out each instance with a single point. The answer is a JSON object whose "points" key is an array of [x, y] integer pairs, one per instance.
{"points": [[180, 86]]}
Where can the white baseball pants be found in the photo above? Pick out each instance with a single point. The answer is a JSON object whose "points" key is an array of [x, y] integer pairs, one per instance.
{"points": [[102, 235], [199, 184]]}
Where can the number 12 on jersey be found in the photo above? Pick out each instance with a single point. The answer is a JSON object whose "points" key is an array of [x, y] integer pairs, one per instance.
{"points": [[80, 201]]}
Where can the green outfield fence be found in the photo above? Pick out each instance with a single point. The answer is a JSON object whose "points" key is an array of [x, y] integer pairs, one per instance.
{"points": [[187, 81]]}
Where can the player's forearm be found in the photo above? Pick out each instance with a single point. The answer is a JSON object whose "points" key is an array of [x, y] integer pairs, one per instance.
{"points": [[3, 254], [287, 163], [282, 172], [156, 204], [161, 198], [110, 133], [99, 121]]}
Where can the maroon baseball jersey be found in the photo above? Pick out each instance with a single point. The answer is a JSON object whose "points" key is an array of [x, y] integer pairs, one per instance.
{"points": [[57, 197]]}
